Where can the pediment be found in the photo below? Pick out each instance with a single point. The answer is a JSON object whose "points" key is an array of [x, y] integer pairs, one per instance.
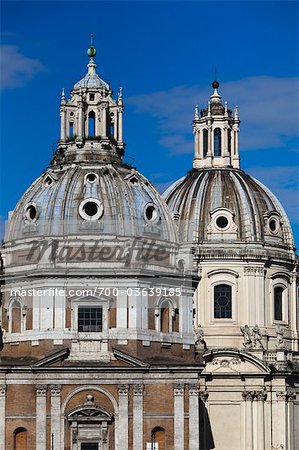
{"points": [[233, 362]]}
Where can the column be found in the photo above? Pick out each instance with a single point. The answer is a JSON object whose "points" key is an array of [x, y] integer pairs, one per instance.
{"points": [[55, 416], [178, 391], [41, 416], [260, 419], [193, 417], [120, 126], [62, 124], [123, 422], [248, 396], [80, 120], [2, 415], [115, 131], [138, 416], [104, 121]]}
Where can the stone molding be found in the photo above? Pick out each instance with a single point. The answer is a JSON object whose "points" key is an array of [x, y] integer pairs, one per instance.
{"points": [[41, 390], [178, 389], [254, 270], [254, 395], [123, 389], [55, 390]]}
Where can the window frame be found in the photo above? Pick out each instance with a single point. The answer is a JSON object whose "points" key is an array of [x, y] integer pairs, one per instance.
{"points": [[222, 276], [231, 300], [90, 302], [280, 283]]}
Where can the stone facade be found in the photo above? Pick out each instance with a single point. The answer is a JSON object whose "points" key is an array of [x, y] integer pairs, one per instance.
{"points": [[136, 322]]}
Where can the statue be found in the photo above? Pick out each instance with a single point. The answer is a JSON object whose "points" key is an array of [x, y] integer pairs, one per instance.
{"points": [[279, 336], [200, 343], [247, 336], [256, 337]]}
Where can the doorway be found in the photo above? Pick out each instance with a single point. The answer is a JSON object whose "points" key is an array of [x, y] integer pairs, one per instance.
{"points": [[89, 446]]}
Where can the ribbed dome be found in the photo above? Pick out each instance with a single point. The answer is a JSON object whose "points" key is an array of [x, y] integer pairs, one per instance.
{"points": [[91, 200], [227, 205], [91, 81]]}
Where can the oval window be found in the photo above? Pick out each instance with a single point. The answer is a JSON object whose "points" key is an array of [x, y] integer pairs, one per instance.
{"points": [[91, 177], [31, 213], [90, 208], [273, 225], [222, 222], [151, 213]]}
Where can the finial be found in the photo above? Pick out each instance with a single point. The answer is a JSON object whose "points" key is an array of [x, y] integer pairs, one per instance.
{"points": [[62, 96], [120, 96], [209, 108], [225, 106], [196, 115], [92, 50], [236, 112]]}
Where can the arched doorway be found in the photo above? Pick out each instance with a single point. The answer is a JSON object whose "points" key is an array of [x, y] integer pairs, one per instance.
{"points": [[89, 426], [20, 439]]}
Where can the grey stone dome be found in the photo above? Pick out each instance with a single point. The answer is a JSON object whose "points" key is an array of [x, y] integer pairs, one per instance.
{"points": [[227, 205], [91, 81], [91, 200]]}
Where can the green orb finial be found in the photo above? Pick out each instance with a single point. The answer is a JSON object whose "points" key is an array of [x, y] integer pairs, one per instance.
{"points": [[92, 50]]}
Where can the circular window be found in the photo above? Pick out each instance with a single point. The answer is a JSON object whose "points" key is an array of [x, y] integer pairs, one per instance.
{"points": [[91, 209], [91, 177], [30, 213], [273, 225], [222, 222], [151, 213]]}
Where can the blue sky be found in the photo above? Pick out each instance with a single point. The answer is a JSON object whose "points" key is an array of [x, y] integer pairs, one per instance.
{"points": [[164, 55]]}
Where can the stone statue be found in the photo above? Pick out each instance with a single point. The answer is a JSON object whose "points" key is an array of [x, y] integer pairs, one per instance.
{"points": [[200, 343], [279, 337], [247, 336], [256, 337]]}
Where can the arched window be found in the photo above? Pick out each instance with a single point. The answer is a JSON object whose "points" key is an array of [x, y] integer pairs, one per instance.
{"points": [[278, 303], [158, 440], [217, 142], [91, 124], [222, 301], [71, 129], [20, 439], [205, 142], [167, 316], [15, 317]]}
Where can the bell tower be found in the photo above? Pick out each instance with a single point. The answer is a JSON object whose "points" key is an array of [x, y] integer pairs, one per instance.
{"points": [[91, 126], [216, 130]]}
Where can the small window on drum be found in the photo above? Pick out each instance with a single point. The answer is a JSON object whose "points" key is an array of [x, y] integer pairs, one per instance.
{"points": [[222, 222], [91, 209], [151, 213], [273, 225], [90, 319], [222, 301], [30, 213]]}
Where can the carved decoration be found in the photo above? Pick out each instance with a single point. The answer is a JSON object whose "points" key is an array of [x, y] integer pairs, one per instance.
{"points": [[279, 337], [286, 396], [178, 389], [254, 395], [138, 389], [203, 395], [41, 390], [193, 389], [252, 338], [123, 389], [2, 390], [55, 390]]}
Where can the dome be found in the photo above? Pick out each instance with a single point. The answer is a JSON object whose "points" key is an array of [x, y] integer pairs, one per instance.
{"points": [[91, 200], [228, 205], [91, 81]]}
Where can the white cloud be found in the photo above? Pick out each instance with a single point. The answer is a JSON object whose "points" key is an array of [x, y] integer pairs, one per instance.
{"points": [[268, 109], [15, 68], [283, 182]]}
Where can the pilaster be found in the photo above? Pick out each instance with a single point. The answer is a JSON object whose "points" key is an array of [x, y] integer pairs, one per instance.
{"points": [[2, 415], [178, 392], [193, 417], [41, 416], [138, 416], [123, 422], [55, 390]]}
